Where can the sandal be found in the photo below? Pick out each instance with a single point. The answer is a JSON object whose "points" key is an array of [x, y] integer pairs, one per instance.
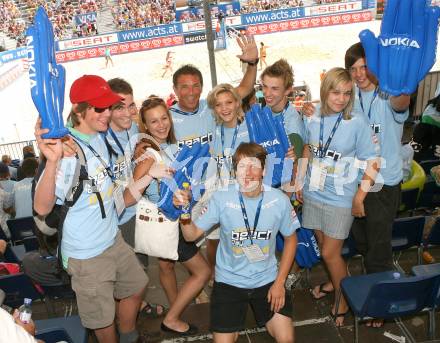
{"points": [[152, 310], [321, 290], [339, 315]]}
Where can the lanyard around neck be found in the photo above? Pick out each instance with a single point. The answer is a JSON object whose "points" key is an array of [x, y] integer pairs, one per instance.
{"points": [[118, 143], [371, 103], [323, 150], [234, 138], [245, 217]]}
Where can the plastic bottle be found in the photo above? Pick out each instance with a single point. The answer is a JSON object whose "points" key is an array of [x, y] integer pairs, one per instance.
{"points": [[185, 217], [26, 311]]}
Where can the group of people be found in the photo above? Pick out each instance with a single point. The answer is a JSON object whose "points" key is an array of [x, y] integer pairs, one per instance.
{"points": [[347, 175], [15, 188]]}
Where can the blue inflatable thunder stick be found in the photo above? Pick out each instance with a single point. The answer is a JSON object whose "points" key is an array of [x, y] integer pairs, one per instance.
{"points": [[46, 76], [269, 132], [405, 50], [190, 166]]}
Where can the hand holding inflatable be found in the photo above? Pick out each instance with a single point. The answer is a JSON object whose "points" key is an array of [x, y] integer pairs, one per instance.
{"points": [[405, 50], [46, 76]]}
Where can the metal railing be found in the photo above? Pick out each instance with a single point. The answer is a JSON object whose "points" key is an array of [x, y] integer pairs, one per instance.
{"points": [[15, 150]]}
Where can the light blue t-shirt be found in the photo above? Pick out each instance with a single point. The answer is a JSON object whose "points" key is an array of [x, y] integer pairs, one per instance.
{"points": [[7, 185], [192, 127], [293, 122], [122, 165], [85, 233], [277, 215], [351, 143], [387, 124], [23, 198], [224, 163], [169, 153]]}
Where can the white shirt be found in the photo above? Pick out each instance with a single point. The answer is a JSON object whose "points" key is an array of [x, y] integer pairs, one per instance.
{"points": [[12, 332]]}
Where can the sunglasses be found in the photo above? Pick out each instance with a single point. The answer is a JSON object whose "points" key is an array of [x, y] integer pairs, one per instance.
{"points": [[100, 110]]}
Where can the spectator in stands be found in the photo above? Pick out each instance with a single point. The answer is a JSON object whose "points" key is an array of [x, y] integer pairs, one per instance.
{"points": [[28, 151], [22, 189], [6, 202], [5, 178], [6, 159]]}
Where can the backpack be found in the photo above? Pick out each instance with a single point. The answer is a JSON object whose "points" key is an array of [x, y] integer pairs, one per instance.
{"points": [[50, 226]]}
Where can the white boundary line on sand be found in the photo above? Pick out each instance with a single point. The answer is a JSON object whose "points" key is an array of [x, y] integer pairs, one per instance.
{"points": [[208, 337]]}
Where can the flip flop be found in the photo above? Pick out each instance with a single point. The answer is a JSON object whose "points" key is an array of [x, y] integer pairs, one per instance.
{"points": [[151, 310], [321, 290], [339, 315]]}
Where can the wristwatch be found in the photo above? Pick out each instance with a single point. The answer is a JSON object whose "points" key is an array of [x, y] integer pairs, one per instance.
{"points": [[251, 63]]}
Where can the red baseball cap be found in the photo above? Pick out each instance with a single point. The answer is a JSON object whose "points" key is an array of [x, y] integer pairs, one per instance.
{"points": [[93, 90]]}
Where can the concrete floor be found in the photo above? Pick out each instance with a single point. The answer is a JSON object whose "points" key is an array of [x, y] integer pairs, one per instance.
{"points": [[311, 317]]}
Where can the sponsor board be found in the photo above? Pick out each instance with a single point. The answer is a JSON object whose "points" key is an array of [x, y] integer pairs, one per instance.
{"points": [[150, 32], [333, 8], [195, 38], [83, 42], [12, 55], [81, 19], [310, 22], [200, 25], [147, 44]]}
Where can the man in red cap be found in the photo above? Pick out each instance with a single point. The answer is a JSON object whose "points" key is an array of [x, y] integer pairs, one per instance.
{"points": [[106, 275]]}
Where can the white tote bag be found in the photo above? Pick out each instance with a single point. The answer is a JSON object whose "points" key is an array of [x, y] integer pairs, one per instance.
{"points": [[155, 234]]}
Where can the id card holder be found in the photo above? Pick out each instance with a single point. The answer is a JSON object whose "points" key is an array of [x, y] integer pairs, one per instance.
{"points": [[253, 253], [118, 194], [317, 176]]}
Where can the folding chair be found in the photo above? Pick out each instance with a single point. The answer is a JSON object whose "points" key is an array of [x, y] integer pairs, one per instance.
{"points": [[67, 329], [429, 270], [380, 295], [407, 233], [408, 201], [17, 287], [430, 196], [21, 228], [428, 164]]}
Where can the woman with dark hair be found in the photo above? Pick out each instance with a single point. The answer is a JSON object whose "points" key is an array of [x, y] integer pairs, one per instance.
{"points": [[155, 120]]}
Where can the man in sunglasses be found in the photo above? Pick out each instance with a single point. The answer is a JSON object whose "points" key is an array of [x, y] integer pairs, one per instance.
{"points": [[106, 275]]}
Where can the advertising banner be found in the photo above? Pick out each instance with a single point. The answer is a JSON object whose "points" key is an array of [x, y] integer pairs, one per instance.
{"points": [[271, 16], [227, 9], [83, 42], [305, 23], [200, 25], [85, 18], [121, 48], [150, 32], [195, 38], [12, 55], [333, 8]]}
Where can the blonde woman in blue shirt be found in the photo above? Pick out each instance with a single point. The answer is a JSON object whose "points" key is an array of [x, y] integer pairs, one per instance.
{"points": [[337, 145]]}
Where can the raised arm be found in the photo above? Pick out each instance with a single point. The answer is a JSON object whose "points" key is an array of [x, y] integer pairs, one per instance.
{"points": [[249, 55]]}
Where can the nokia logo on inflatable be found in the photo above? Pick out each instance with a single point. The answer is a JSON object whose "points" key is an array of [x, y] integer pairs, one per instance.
{"points": [[31, 60], [270, 143], [399, 41]]}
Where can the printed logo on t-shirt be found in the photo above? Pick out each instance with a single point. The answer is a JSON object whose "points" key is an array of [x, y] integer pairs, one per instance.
{"points": [[332, 154], [239, 236], [189, 142]]}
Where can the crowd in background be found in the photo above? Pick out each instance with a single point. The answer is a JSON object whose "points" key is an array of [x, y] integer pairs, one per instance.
{"points": [[127, 15]]}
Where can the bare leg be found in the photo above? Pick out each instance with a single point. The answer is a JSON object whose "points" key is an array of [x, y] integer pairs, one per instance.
{"points": [[107, 334], [225, 337], [331, 253], [199, 275], [280, 327], [128, 310], [167, 276]]}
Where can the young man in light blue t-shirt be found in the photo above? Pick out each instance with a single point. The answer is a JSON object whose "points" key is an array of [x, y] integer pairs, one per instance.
{"points": [[250, 216], [103, 267], [386, 115]]}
